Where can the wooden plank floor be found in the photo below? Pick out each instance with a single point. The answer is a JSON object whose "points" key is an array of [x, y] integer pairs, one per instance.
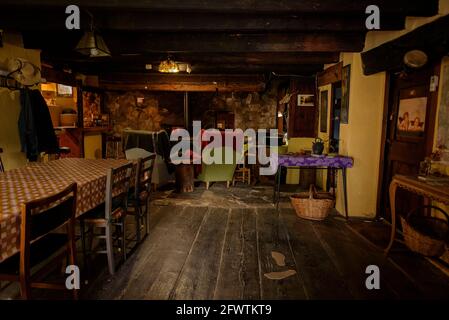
{"points": [[224, 252]]}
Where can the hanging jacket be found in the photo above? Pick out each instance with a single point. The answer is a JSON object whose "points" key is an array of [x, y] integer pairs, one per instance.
{"points": [[35, 127]]}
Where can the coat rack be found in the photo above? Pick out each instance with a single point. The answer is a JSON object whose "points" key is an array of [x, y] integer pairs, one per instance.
{"points": [[7, 80]]}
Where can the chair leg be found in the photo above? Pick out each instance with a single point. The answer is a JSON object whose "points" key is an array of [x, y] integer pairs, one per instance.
{"points": [[72, 251], [83, 243], [228, 183], [207, 185], [25, 289], [137, 216], [123, 238], [147, 217], [110, 249]]}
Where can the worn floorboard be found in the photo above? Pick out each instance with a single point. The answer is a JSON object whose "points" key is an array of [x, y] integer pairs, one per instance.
{"points": [[314, 264], [218, 244], [238, 277], [198, 276], [271, 237]]}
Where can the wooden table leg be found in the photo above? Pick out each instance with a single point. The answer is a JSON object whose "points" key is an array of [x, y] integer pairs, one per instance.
{"points": [[275, 185], [345, 193], [392, 191], [278, 186]]}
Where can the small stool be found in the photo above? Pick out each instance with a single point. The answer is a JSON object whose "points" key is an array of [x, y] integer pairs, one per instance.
{"points": [[242, 174], [113, 147]]}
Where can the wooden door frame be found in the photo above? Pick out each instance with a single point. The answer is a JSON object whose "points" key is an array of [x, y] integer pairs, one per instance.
{"points": [[332, 105], [433, 97]]}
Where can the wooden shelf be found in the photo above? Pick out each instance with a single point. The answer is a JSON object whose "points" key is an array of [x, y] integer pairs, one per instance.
{"points": [[65, 127]]}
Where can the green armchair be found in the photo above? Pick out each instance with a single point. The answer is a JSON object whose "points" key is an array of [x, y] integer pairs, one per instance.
{"points": [[218, 172]]}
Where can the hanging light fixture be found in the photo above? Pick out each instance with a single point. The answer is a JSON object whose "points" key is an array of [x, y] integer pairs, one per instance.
{"points": [[168, 66], [92, 44]]}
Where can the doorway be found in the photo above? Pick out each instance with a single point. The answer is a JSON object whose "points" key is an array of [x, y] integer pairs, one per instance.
{"points": [[408, 133]]}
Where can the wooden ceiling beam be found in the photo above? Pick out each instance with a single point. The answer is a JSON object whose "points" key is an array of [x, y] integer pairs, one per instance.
{"points": [[432, 38], [255, 58], [125, 20], [404, 7], [142, 42], [222, 83]]}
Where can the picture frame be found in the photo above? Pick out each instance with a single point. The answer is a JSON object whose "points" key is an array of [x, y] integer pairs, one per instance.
{"points": [[306, 100], [345, 89], [63, 90], [323, 110], [411, 120]]}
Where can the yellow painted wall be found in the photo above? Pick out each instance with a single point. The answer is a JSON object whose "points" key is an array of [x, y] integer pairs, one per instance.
{"points": [[10, 103], [361, 137], [92, 146]]}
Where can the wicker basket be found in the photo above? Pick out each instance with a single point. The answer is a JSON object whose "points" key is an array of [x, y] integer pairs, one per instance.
{"points": [[425, 235], [312, 205]]}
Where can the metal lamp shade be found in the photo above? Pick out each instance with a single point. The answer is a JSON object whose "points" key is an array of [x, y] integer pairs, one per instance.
{"points": [[92, 45]]}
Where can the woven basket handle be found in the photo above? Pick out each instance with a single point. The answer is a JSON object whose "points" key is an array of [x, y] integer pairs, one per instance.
{"points": [[428, 207], [312, 191]]}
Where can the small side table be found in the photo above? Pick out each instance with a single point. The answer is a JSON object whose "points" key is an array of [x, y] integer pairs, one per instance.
{"points": [[433, 189]]}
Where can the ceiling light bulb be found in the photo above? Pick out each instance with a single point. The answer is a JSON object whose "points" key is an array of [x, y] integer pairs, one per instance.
{"points": [[94, 52]]}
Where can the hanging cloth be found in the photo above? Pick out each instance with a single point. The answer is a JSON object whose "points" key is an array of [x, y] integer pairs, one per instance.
{"points": [[35, 126]]}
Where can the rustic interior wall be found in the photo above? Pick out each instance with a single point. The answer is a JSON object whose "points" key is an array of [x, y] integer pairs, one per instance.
{"points": [[140, 110], [12, 157], [256, 110]]}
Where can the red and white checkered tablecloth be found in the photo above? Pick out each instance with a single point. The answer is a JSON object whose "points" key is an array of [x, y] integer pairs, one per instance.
{"points": [[39, 180]]}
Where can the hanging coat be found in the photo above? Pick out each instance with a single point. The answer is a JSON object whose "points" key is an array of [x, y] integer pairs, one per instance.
{"points": [[35, 126]]}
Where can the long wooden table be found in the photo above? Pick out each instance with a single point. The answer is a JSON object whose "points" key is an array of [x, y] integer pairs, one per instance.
{"points": [[433, 189], [39, 180]]}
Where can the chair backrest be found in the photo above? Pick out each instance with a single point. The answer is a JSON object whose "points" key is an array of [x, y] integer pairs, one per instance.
{"points": [[144, 173], [137, 153], [117, 188], [2, 168], [42, 216]]}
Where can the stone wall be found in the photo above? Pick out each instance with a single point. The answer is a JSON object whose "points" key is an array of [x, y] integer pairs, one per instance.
{"points": [[251, 109], [155, 111], [159, 110]]}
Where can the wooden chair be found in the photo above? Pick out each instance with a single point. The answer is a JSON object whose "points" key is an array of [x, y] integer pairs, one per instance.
{"points": [[243, 171], [2, 168], [39, 246], [109, 215], [113, 147], [139, 200]]}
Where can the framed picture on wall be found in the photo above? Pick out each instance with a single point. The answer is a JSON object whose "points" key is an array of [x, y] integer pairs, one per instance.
{"points": [[64, 91], [323, 110], [412, 117], [306, 100], [345, 86]]}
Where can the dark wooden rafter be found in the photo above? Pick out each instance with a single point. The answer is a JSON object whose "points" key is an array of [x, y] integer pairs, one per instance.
{"points": [[143, 42], [404, 7], [132, 20], [432, 38], [215, 37], [158, 82], [253, 58], [330, 75]]}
